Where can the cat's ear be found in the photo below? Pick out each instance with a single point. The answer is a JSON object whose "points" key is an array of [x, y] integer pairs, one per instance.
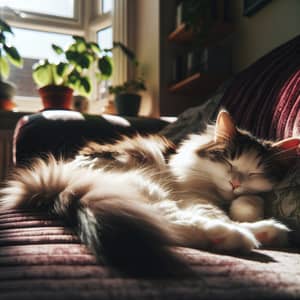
{"points": [[225, 127], [289, 146]]}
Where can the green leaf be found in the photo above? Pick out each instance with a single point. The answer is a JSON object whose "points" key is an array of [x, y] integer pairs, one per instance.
{"points": [[94, 47], [81, 47], [4, 67], [73, 77], [85, 87], [81, 60], [90, 57], [57, 49], [71, 55], [78, 38], [2, 38], [43, 75], [105, 65], [5, 27], [57, 79], [129, 53], [13, 56], [78, 68], [84, 61], [72, 47], [62, 69]]}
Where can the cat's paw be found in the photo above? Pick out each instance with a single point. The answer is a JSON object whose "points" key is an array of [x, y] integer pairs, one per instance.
{"points": [[247, 208], [269, 232], [227, 237]]}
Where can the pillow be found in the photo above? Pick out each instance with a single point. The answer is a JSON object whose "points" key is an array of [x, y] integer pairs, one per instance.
{"points": [[264, 98]]}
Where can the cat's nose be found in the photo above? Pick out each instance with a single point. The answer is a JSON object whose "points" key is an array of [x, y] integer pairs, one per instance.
{"points": [[235, 183]]}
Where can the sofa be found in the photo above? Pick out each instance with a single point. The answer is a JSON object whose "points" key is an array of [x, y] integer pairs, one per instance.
{"points": [[41, 258]]}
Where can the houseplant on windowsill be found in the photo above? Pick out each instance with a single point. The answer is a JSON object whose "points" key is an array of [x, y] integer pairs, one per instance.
{"points": [[127, 97], [8, 55], [58, 81]]}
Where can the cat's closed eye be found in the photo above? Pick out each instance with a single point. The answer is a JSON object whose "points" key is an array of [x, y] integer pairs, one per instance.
{"points": [[228, 163], [255, 174]]}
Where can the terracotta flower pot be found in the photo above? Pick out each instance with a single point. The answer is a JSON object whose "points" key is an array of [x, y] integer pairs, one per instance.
{"points": [[55, 96], [128, 104], [7, 92]]}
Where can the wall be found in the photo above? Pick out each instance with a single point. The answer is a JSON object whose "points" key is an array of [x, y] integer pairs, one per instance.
{"points": [[274, 24], [147, 50]]}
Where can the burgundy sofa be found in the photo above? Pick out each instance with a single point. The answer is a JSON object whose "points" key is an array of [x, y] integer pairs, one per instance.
{"points": [[40, 257]]}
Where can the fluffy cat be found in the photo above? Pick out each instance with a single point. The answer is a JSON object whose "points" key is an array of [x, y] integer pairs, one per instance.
{"points": [[141, 194]]}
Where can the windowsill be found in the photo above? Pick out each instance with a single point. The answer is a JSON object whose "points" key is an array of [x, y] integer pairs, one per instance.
{"points": [[28, 104], [34, 104]]}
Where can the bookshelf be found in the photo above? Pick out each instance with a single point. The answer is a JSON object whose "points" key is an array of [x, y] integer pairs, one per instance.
{"points": [[203, 65], [218, 32], [198, 84]]}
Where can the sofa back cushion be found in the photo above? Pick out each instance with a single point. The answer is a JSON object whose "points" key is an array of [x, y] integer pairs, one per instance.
{"points": [[63, 132]]}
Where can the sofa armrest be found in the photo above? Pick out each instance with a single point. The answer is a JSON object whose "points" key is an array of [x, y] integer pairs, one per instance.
{"points": [[62, 132]]}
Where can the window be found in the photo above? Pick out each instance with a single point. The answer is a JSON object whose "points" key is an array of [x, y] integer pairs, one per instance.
{"points": [[42, 43], [31, 54], [58, 8], [39, 23], [105, 6], [105, 41], [102, 30], [105, 38]]}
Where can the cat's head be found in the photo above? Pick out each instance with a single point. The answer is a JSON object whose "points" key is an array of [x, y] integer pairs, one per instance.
{"points": [[234, 161]]}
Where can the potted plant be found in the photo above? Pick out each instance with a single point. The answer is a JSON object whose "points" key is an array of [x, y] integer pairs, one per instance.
{"points": [[127, 97], [8, 55], [58, 81]]}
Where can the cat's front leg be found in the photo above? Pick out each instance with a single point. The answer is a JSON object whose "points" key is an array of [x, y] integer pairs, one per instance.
{"points": [[270, 233], [229, 237], [205, 226], [247, 208], [215, 234]]}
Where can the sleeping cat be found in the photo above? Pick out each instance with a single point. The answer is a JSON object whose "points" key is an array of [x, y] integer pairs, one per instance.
{"points": [[142, 193]]}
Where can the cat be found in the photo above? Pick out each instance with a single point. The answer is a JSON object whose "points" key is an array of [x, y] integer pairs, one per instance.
{"points": [[141, 194]]}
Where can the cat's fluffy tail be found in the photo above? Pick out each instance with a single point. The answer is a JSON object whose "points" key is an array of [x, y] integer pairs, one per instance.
{"points": [[125, 233]]}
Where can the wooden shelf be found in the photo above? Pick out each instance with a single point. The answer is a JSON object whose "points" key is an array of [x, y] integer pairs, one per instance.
{"points": [[218, 32], [181, 35], [198, 84]]}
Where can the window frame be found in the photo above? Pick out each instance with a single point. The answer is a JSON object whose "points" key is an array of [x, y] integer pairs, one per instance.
{"points": [[47, 23], [44, 20], [98, 22]]}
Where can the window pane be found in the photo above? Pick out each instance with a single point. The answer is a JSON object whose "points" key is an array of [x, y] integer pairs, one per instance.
{"points": [[105, 41], [34, 45], [107, 6], [60, 8], [105, 38], [40, 47]]}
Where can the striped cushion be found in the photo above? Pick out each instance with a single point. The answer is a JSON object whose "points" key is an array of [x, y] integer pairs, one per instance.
{"points": [[40, 258]]}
